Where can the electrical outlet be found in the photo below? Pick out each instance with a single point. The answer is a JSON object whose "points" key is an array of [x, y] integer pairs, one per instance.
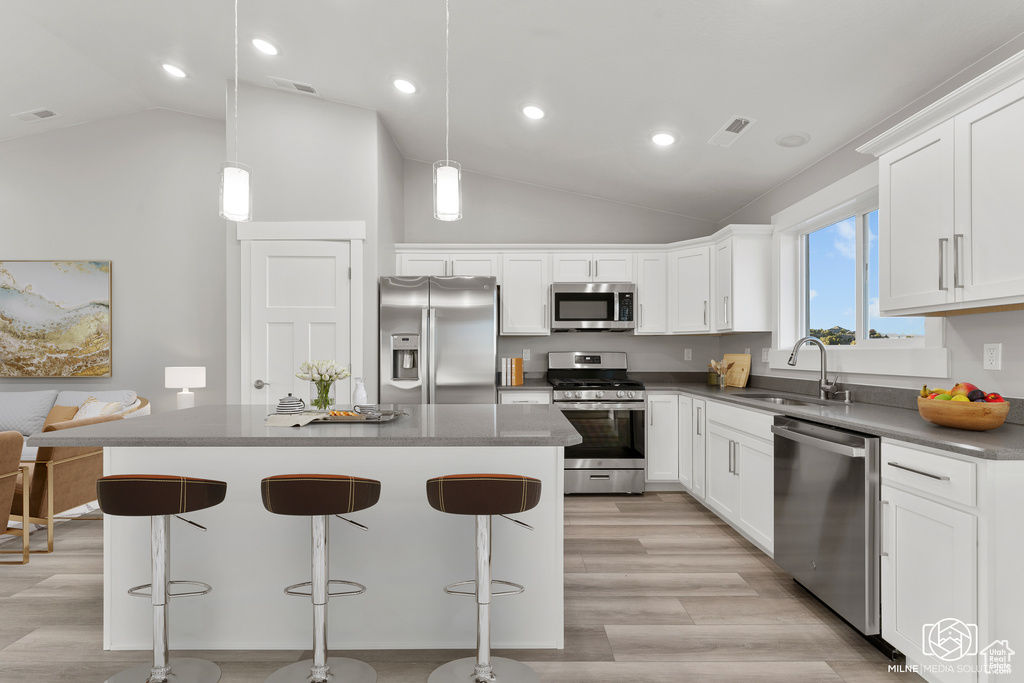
{"points": [[992, 357], [687, 354], [526, 354], [764, 355]]}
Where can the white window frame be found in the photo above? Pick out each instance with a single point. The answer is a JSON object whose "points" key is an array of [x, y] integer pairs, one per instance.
{"points": [[855, 194]]}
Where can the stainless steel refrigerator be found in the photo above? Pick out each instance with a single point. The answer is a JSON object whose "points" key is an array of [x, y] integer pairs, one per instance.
{"points": [[438, 339]]}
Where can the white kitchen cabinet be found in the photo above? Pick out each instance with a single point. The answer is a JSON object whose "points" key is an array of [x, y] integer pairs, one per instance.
{"points": [[651, 288], [524, 294], [741, 280], [684, 451], [689, 287], [662, 435], [741, 470], [929, 574], [915, 222], [507, 396], [698, 453], [427, 263], [950, 200], [592, 267]]}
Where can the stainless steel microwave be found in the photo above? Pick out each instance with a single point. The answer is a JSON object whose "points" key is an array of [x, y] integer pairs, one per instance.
{"points": [[592, 306]]}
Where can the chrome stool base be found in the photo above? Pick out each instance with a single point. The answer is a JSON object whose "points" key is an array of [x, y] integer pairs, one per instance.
{"points": [[342, 670], [503, 670], [183, 670]]}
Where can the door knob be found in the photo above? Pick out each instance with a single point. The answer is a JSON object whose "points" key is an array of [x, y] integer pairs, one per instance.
{"points": [[259, 384]]}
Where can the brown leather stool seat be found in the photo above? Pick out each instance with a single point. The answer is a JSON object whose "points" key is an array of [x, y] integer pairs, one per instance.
{"points": [[160, 497], [483, 495], [150, 495], [309, 495], [318, 496]]}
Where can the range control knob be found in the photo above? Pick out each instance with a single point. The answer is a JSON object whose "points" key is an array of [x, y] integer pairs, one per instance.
{"points": [[631, 394], [600, 394], [568, 394], [620, 394], [579, 394]]}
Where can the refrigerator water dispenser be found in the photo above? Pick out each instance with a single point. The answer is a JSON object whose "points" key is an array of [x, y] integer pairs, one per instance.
{"points": [[405, 351]]}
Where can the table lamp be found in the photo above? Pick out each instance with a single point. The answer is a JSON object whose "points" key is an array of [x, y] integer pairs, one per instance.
{"points": [[184, 378]]}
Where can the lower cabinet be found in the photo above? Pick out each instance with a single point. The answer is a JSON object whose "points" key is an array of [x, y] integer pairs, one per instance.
{"points": [[929, 582], [741, 471], [662, 435], [697, 455], [523, 396]]}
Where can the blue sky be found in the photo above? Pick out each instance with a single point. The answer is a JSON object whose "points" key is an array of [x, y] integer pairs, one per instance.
{"points": [[832, 279]]}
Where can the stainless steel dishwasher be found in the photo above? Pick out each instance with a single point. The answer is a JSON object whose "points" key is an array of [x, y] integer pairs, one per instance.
{"points": [[826, 527]]}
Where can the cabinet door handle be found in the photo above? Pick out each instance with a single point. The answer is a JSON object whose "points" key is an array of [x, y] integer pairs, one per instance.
{"points": [[725, 310], [736, 458], [698, 420], [958, 241], [705, 311], [923, 474], [544, 316], [731, 453], [589, 265], [641, 315], [942, 263]]}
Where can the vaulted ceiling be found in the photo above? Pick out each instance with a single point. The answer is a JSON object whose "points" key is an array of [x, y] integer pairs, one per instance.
{"points": [[608, 74]]}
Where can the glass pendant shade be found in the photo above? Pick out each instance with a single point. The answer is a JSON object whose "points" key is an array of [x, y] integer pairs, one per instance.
{"points": [[235, 192], [447, 190]]}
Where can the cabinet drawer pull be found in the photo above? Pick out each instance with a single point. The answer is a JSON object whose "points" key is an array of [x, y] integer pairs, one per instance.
{"points": [[923, 474], [600, 476], [942, 263]]}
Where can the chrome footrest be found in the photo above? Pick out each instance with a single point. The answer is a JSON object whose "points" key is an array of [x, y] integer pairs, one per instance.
{"points": [[449, 591], [290, 590], [146, 590]]}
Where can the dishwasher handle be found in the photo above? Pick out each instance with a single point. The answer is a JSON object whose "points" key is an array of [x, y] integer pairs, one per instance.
{"points": [[823, 444]]}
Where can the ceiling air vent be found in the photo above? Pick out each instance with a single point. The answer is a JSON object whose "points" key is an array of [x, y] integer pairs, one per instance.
{"points": [[35, 115], [294, 86], [731, 131]]}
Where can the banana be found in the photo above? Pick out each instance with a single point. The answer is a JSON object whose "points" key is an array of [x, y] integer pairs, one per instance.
{"points": [[924, 391]]}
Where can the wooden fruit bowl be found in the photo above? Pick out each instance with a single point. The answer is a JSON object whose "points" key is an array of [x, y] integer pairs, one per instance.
{"points": [[960, 415]]}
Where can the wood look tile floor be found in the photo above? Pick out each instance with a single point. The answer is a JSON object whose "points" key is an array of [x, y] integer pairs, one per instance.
{"points": [[657, 590]]}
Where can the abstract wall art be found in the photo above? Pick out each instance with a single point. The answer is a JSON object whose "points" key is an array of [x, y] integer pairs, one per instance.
{"points": [[55, 319]]}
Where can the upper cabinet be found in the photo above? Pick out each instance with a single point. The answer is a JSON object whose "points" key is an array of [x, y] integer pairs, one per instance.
{"points": [[428, 263], [689, 290], [651, 293], [741, 280], [597, 267], [950, 200], [524, 294]]}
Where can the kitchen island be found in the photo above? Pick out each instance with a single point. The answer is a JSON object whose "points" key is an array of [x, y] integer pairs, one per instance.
{"points": [[409, 553]]}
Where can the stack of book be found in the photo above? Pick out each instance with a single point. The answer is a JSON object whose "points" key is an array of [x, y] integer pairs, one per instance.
{"points": [[511, 372]]}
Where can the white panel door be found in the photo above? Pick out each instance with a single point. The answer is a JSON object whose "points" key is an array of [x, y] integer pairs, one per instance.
{"points": [[755, 465], [685, 446], [722, 292], [476, 264], [299, 310], [722, 483], [613, 267], [662, 437], [989, 203], [699, 452], [524, 294], [572, 268], [689, 281], [650, 293], [418, 265]]}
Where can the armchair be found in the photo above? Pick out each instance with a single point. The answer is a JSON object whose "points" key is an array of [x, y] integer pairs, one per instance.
{"points": [[10, 455], [61, 478]]}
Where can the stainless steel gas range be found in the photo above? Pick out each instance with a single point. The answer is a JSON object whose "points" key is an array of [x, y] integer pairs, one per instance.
{"points": [[606, 407]]}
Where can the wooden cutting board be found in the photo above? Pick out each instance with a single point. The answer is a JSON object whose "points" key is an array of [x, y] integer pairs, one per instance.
{"points": [[737, 377]]}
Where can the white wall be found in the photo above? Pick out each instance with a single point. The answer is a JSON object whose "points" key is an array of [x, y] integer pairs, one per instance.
{"points": [[140, 191], [496, 210]]}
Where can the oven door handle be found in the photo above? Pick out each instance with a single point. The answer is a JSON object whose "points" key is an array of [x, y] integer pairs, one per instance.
{"points": [[634, 405]]}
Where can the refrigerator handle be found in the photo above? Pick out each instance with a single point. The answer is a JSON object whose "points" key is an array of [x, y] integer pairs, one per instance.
{"points": [[425, 357], [432, 363]]}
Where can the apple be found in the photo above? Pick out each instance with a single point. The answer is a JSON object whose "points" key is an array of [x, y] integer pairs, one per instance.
{"points": [[994, 398], [932, 395], [962, 389]]}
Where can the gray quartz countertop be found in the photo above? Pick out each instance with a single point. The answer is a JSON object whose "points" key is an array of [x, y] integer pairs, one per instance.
{"points": [[529, 384], [1003, 443], [244, 425]]}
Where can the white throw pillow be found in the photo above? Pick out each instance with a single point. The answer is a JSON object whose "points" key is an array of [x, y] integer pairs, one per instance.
{"points": [[25, 411], [77, 398], [93, 407]]}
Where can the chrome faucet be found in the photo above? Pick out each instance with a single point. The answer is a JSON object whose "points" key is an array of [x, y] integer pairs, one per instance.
{"points": [[824, 388]]}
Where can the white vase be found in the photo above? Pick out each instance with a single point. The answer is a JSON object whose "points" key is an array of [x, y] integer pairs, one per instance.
{"points": [[359, 393]]}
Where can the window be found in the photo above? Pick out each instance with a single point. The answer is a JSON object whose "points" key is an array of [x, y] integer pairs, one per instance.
{"points": [[841, 286]]}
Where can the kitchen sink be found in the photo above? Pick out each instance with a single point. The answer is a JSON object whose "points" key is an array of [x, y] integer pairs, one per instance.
{"points": [[785, 400]]}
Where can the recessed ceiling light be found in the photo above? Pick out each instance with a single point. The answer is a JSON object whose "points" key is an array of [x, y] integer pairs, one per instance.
{"points": [[663, 139], [533, 112], [404, 86], [792, 139], [264, 46], [174, 71]]}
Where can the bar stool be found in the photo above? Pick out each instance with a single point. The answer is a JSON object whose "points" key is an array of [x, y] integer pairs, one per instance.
{"points": [[318, 496], [483, 495], [159, 497]]}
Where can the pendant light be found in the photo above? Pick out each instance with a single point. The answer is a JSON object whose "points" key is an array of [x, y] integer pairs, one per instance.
{"points": [[235, 187], [447, 173]]}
